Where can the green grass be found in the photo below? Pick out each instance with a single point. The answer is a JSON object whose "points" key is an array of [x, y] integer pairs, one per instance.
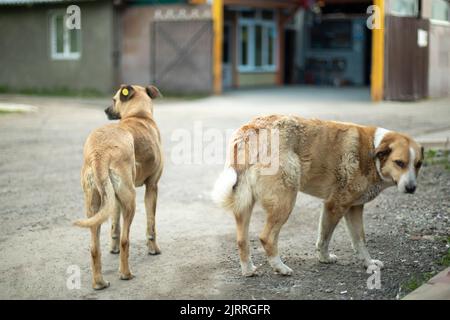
{"points": [[5, 112], [445, 260], [433, 158], [417, 280], [57, 92], [91, 93]]}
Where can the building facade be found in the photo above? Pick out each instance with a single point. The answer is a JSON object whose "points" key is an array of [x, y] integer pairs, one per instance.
{"points": [[38, 52], [205, 46]]}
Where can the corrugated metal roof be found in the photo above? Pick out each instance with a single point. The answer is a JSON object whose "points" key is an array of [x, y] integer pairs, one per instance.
{"points": [[20, 2]]}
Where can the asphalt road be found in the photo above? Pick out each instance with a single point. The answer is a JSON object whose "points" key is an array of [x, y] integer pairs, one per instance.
{"points": [[40, 196]]}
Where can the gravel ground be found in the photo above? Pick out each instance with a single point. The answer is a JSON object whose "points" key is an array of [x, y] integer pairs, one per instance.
{"points": [[41, 195]]}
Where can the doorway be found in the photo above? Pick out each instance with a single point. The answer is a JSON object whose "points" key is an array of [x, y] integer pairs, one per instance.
{"points": [[227, 65]]}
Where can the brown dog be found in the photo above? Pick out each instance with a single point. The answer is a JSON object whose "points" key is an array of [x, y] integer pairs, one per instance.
{"points": [[117, 158], [344, 164]]}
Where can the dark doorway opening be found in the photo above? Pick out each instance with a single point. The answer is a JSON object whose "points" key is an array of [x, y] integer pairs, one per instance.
{"points": [[368, 57], [289, 56]]}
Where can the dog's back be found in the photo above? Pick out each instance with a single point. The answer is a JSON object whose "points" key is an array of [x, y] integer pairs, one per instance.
{"points": [[108, 163]]}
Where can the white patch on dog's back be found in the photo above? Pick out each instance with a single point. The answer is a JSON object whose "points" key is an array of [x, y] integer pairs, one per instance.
{"points": [[379, 135]]}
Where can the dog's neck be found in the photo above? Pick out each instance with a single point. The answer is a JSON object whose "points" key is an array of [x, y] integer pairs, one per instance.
{"points": [[143, 113]]}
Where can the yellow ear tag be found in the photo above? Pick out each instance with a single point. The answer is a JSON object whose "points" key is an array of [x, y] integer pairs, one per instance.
{"points": [[125, 92]]}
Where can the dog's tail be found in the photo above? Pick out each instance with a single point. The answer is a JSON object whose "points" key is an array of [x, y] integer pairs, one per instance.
{"points": [[108, 198], [222, 193]]}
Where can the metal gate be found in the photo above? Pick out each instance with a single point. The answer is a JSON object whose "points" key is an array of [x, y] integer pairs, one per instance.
{"points": [[406, 75], [181, 56]]}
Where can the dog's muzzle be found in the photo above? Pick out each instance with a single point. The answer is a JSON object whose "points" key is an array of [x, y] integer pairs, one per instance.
{"points": [[410, 189], [111, 114]]}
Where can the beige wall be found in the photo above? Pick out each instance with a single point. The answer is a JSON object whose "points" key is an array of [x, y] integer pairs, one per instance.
{"points": [[135, 62], [256, 79], [426, 6], [25, 55], [136, 59], [439, 63]]}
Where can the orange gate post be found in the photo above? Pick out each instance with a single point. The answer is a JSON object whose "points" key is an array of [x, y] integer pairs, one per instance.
{"points": [[217, 9], [377, 77]]}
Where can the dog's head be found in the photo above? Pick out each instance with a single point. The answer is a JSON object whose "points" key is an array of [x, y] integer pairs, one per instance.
{"points": [[399, 159], [132, 101]]}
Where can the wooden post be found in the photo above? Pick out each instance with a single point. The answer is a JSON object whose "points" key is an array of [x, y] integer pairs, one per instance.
{"points": [[377, 77], [217, 8]]}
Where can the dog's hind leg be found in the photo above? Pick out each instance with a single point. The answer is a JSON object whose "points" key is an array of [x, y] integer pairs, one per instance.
{"points": [[242, 218], [355, 227], [127, 198], [331, 214], [92, 204], [115, 230], [279, 206], [151, 196], [98, 282]]}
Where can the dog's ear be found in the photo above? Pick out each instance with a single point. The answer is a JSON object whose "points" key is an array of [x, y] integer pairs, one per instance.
{"points": [[126, 93], [422, 152], [153, 92], [382, 151]]}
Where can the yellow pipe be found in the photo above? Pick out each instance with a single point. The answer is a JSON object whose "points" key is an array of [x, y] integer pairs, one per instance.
{"points": [[377, 78], [217, 8]]}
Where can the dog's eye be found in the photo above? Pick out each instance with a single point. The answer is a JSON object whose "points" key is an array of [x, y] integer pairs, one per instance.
{"points": [[418, 165], [400, 163]]}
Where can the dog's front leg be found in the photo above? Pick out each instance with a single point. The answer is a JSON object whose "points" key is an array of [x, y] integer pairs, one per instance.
{"points": [[151, 196], [331, 214], [355, 226]]}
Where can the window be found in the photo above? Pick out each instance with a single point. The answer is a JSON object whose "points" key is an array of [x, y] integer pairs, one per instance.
{"points": [[440, 10], [404, 8], [332, 34], [257, 42], [64, 43]]}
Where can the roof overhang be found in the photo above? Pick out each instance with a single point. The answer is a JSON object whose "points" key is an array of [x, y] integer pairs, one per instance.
{"points": [[32, 2], [272, 4]]}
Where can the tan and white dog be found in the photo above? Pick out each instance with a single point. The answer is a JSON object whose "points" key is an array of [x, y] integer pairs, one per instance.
{"points": [[117, 158], [344, 164]]}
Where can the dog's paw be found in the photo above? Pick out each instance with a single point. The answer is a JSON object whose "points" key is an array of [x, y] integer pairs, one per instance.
{"points": [[284, 270], [154, 251], [279, 267], [330, 258], [153, 248], [100, 285], [373, 262], [114, 246], [248, 269], [126, 276]]}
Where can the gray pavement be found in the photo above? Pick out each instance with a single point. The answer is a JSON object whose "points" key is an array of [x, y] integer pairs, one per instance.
{"points": [[40, 161]]}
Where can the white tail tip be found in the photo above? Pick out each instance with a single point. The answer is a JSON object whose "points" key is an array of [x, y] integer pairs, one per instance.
{"points": [[223, 187]]}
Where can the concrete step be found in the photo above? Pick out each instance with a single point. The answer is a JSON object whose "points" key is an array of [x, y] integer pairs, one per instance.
{"points": [[437, 288]]}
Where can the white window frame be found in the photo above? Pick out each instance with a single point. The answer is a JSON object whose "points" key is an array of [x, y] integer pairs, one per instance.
{"points": [[251, 24], [66, 54], [396, 13], [437, 21]]}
